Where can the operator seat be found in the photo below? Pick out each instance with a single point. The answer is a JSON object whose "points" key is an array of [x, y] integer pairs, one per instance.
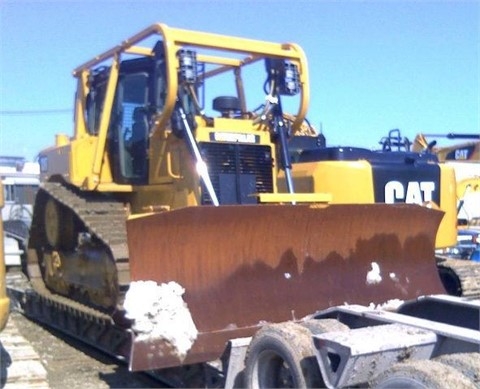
{"points": [[228, 106], [139, 141]]}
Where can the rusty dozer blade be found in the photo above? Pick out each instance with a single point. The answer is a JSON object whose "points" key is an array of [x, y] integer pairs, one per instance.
{"points": [[242, 266]]}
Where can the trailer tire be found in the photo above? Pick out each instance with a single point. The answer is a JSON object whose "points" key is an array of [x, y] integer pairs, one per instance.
{"points": [[282, 355], [467, 363], [421, 374]]}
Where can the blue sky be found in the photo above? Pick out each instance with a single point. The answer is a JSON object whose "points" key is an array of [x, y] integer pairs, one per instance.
{"points": [[374, 65]]}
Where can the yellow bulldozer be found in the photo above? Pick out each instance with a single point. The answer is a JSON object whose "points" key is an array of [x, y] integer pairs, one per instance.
{"points": [[168, 192]]}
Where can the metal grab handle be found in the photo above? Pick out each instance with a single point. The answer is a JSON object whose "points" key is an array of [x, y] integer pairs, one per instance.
{"points": [[201, 165]]}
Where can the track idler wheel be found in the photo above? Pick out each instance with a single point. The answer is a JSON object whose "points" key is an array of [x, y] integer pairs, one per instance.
{"points": [[59, 226]]}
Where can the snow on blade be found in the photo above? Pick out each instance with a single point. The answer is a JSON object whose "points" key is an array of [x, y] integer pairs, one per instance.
{"points": [[390, 305], [373, 276], [159, 312]]}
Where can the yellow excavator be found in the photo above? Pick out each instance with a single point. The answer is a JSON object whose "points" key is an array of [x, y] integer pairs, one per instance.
{"points": [[396, 173], [170, 178], [467, 151], [464, 157], [392, 174]]}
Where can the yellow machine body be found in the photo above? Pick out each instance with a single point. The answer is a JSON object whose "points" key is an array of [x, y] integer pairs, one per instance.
{"points": [[86, 160], [355, 182]]}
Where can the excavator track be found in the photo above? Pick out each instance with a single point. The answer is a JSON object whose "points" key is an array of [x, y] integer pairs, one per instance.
{"points": [[460, 277]]}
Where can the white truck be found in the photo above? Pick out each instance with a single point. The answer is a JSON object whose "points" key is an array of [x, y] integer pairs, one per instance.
{"points": [[20, 180]]}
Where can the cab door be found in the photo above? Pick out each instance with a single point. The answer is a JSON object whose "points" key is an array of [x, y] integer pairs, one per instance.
{"points": [[130, 126]]}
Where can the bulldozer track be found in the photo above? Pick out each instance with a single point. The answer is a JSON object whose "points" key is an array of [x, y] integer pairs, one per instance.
{"points": [[37, 356], [105, 219], [84, 323], [90, 328], [103, 216]]}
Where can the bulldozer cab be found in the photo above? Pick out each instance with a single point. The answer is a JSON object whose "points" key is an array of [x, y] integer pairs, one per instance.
{"points": [[129, 128], [139, 93], [173, 114]]}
